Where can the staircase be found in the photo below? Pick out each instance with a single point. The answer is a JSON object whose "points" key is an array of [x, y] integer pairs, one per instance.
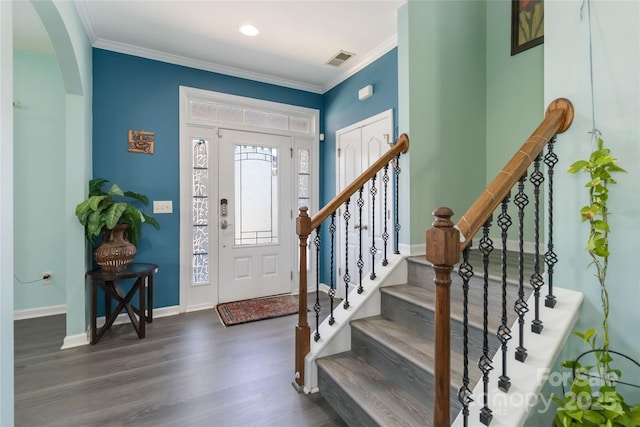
{"points": [[386, 379]]}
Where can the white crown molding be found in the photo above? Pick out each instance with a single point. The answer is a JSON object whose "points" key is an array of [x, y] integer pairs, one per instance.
{"points": [[203, 65], [85, 18], [87, 22], [371, 57]]}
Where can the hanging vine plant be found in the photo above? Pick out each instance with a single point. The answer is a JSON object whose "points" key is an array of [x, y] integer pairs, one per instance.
{"points": [[584, 405]]}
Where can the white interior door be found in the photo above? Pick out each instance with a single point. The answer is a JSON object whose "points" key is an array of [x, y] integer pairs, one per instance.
{"points": [[359, 146], [255, 221]]}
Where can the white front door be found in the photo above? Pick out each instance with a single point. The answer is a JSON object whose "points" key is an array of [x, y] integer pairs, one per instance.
{"points": [[359, 146], [255, 222]]}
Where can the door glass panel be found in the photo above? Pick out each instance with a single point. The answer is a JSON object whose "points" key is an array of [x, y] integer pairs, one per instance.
{"points": [[256, 195], [200, 212], [303, 177]]}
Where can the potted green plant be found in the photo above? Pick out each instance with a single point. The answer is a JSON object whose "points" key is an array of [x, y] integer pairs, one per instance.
{"points": [[113, 213], [589, 402]]}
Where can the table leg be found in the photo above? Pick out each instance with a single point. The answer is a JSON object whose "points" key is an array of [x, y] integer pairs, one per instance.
{"points": [[142, 319], [107, 301], [94, 311], [150, 298]]}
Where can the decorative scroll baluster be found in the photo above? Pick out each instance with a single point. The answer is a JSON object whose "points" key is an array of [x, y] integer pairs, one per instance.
{"points": [[332, 287], [316, 307], [373, 250], [486, 247], [465, 271], [385, 233], [360, 263], [396, 198], [550, 258], [521, 307], [346, 216], [504, 332], [536, 281]]}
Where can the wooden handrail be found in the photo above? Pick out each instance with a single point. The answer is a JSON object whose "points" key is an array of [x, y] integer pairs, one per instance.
{"points": [[304, 226], [444, 246], [401, 147], [558, 118]]}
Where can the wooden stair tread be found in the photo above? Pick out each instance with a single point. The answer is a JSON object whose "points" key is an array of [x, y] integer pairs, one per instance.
{"points": [[425, 298], [410, 346], [385, 402]]}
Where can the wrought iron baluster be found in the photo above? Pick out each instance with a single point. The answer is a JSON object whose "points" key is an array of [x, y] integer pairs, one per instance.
{"points": [[504, 332], [346, 216], [360, 204], [486, 247], [396, 198], [385, 233], [332, 285], [316, 307], [521, 307], [550, 258], [373, 250], [465, 271], [536, 281]]}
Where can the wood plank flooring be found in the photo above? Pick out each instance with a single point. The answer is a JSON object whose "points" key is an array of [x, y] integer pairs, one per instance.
{"points": [[189, 371]]}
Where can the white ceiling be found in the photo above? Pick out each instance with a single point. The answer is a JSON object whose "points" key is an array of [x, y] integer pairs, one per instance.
{"points": [[297, 37]]}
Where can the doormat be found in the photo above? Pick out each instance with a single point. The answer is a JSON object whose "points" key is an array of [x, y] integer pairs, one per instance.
{"points": [[251, 310]]}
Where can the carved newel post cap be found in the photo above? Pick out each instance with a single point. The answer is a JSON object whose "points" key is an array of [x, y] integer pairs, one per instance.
{"points": [[443, 240], [303, 222]]}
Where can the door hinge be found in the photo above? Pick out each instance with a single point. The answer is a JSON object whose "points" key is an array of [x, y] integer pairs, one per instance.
{"points": [[291, 275], [339, 271], [339, 151], [291, 213], [219, 133], [291, 152]]}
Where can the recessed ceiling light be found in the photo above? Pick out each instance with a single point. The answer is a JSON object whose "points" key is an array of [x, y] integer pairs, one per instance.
{"points": [[249, 30]]}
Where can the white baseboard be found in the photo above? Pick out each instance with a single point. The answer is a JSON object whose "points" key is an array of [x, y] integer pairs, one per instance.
{"points": [[412, 250], [77, 340], [197, 307], [31, 313], [157, 312]]}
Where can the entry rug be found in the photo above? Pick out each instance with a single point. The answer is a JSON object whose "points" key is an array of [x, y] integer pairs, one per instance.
{"points": [[251, 310]]}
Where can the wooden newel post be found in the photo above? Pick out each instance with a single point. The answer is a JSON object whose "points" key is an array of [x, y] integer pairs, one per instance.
{"points": [[443, 251], [303, 332]]}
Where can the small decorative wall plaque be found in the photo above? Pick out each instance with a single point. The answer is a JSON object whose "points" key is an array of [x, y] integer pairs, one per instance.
{"points": [[141, 141]]}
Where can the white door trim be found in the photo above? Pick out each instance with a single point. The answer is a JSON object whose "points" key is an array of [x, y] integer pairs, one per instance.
{"points": [[211, 110], [385, 115]]}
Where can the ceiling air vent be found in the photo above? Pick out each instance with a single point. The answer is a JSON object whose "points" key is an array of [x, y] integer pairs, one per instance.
{"points": [[339, 58]]}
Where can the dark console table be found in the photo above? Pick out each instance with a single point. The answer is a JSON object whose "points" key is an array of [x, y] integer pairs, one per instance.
{"points": [[108, 281]]}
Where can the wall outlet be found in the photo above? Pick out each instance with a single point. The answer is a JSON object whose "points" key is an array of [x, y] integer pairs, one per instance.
{"points": [[162, 207], [47, 277]]}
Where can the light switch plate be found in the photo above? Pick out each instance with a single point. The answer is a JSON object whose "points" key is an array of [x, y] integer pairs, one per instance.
{"points": [[162, 206]]}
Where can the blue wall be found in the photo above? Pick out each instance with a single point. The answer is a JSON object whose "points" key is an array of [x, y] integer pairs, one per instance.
{"points": [[341, 109], [135, 93]]}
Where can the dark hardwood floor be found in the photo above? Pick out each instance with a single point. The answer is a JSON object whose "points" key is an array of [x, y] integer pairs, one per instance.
{"points": [[189, 371]]}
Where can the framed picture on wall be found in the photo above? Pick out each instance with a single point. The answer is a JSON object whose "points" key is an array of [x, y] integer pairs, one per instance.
{"points": [[527, 24]]}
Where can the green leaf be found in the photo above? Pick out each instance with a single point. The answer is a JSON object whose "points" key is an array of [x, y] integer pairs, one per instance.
{"points": [[95, 201], [151, 220], [113, 214], [115, 190], [137, 196], [616, 168], [577, 166], [95, 187], [593, 417], [599, 224]]}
